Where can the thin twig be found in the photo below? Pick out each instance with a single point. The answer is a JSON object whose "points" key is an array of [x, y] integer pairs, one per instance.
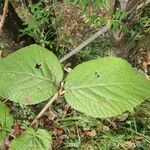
{"points": [[5, 9], [55, 97], [85, 43]]}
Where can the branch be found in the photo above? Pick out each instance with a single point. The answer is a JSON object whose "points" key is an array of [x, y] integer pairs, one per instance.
{"points": [[55, 97], [5, 8], [85, 43]]}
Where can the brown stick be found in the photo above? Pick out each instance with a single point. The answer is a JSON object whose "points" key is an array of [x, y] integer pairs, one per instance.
{"points": [[55, 97], [5, 8]]}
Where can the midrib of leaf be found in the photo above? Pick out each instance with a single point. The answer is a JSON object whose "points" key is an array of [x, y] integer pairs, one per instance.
{"points": [[29, 75], [103, 85]]}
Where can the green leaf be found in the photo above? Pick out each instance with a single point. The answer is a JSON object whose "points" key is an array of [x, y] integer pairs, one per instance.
{"points": [[6, 121], [30, 75], [32, 140], [106, 87]]}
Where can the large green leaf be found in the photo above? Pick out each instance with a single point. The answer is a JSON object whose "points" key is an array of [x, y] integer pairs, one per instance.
{"points": [[30, 75], [32, 140], [106, 87], [6, 121]]}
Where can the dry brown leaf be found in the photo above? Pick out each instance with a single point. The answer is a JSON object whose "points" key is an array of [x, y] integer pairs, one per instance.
{"points": [[17, 129], [130, 145], [89, 133], [139, 138], [57, 132]]}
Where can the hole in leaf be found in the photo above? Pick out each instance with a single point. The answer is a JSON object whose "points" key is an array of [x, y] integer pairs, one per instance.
{"points": [[97, 75], [38, 66]]}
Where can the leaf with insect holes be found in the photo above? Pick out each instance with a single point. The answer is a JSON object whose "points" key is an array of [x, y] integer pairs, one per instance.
{"points": [[30, 75], [106, 87], [32, 140], [6, 121]]}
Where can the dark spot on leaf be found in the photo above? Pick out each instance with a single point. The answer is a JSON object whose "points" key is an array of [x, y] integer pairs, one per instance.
{"points": [[98, 75], [38, 66]]}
